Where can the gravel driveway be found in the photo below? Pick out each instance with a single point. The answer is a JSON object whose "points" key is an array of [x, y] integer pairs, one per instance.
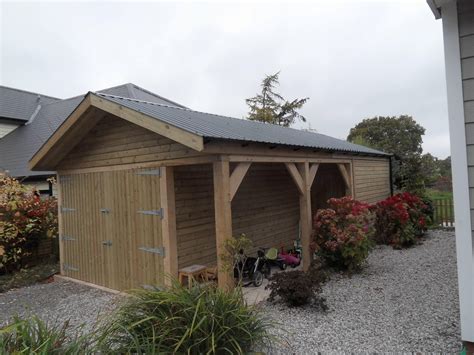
{"points": [[403, 301], [57, 302]]}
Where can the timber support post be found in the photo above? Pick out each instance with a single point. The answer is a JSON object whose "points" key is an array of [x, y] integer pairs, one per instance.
{"points": [[168, 204], [223, 219], [303, 175]]}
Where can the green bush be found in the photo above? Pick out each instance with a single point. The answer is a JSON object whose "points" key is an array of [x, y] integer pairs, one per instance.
{"points": [[297, 288], [342, 233], [33, 336], [181, 320]]}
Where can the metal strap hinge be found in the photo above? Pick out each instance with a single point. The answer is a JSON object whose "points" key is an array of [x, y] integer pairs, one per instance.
{"points": [[155, 172], [152, 212], [66, 238], [67, 209], [68, 267], [159, 250]]}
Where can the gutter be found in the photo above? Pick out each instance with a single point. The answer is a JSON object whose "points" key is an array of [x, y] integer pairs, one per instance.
{"points": [[434, 9]]}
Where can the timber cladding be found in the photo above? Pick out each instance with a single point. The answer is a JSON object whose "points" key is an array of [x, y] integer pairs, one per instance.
{"points": [[371, 179], [265, 208], [107, 225], [114, 141]]}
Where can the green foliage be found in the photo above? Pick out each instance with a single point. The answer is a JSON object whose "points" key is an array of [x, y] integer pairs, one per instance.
{"points": [[33, 336], [24, 220], [232, 258], [298, 288], [342, 233], [400, 136], [200, 320], [270, 107]]}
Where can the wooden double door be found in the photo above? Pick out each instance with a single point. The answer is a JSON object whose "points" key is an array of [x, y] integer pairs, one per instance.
{"points": [[110, 228]]}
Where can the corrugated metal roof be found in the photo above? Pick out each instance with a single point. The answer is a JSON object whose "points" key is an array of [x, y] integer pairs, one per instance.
{"points": [[223, 127], [17, 147]]}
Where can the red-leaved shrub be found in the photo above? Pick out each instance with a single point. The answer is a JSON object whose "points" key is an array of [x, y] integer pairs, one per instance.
{"points": [[24, 219], [342, 233], [400, 220]]}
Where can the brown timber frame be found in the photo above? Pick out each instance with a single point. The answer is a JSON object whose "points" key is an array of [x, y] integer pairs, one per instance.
{"points": [[104, 146]]}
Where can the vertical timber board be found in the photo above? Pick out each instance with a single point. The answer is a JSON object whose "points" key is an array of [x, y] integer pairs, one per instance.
{"points": [[223, 218], [169, 234], [143, 193]]}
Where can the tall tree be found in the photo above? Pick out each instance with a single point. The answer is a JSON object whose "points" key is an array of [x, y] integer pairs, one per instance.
{"points": [[402, 137], [270, 107]]}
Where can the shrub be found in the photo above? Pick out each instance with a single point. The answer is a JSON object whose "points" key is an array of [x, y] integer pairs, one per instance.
{"points": [[33, 336], [24, 220], [297, 288], [342, 233], [181, 320], [401, 219]]}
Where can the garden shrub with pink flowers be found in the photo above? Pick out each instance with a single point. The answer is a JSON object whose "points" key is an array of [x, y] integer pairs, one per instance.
{"points": [[401, 220], [342, 233]]}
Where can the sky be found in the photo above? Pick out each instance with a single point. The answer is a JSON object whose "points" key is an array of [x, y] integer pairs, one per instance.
{"points": [[353, 59]]}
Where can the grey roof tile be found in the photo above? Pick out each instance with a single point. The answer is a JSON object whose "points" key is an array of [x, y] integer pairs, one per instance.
{"points": [[19, 104], [17, 147], [223, 127]]}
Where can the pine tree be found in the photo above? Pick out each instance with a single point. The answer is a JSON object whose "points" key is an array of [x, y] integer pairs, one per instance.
{"points": [[270, 107]]}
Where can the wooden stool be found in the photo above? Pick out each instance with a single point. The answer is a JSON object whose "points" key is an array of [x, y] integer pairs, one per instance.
{"points": [[192, 273]]}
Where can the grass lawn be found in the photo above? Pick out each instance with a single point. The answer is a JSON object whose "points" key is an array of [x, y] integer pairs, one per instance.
{"points": [[439, 195], [28, 276]]}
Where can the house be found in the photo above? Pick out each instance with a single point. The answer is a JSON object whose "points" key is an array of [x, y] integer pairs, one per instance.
{"points": [[28, 119], [458, 33], [147, 188]]}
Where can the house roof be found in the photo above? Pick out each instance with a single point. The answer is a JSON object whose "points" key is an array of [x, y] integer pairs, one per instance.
{"points": [[222, 127], [20, 105], [19, 146]]}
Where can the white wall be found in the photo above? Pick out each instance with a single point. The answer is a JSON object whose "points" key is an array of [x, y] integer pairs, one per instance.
{"points": [[6, 128], [460, 90]]}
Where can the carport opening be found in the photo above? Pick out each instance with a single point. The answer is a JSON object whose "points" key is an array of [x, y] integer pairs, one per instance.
{"points": [[327, 184]]}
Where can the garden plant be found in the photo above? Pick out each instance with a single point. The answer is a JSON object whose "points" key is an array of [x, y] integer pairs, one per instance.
{"points": [[342, 233]]}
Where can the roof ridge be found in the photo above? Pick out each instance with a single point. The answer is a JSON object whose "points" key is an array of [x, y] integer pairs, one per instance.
{"points": [[30, 92], [156, 95]]}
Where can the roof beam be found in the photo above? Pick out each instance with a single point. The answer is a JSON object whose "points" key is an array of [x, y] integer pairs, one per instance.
{"points": [[179, 135]]}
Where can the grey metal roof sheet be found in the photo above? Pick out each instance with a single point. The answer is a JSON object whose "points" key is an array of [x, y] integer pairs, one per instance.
{"points": [[19, 104], [223, 127], [17, 147]]}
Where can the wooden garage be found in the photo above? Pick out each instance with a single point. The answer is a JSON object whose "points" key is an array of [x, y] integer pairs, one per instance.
{"points": [[146, 189]]}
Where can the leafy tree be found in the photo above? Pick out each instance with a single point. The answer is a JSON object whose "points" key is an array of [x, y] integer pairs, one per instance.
{"points": [[430, 169], [402, 137], [270, 107]]}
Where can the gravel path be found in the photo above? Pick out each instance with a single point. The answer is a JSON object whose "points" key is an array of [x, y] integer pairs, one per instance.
{"points": [[403, 301], [58, 302]]}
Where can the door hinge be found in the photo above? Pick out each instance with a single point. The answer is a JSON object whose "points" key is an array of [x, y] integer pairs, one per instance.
{"points": [[105, 210], [67, 209], [152, 212], [159, 250], [154, 172], [68, 267], [66, 238], [107, 243]]}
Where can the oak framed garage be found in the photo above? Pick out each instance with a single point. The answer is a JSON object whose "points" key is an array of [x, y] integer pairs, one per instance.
{"points": [[146, 188]]}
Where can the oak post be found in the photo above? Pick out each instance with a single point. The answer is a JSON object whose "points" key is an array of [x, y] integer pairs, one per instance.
{"points": [[223, 219], [168, 223], [305, 215]]}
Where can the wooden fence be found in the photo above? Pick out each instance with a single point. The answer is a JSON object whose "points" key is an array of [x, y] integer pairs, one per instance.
{"points": [[443, 212]]}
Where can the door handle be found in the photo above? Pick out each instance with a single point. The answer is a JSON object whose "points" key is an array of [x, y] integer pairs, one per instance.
{"points": [[107, 243]]}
